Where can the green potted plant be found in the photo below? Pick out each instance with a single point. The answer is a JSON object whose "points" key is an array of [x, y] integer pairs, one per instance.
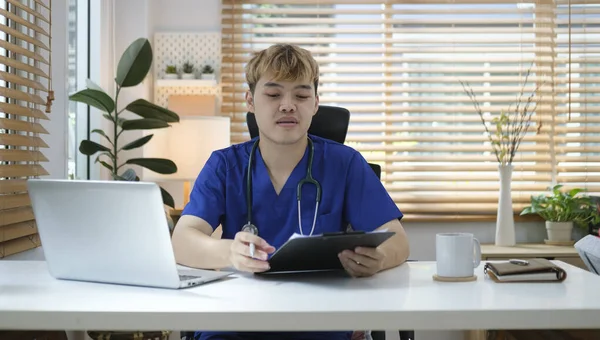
{"points": [[562, 211], [208, 72], [131, 70], [171, 72], [188, 71]]}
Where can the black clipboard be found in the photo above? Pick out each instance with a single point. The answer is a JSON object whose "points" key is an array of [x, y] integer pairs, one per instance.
{"points": [[320, 253]]}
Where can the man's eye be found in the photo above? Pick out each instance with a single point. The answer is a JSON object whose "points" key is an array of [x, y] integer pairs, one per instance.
{"points": [[272, 95], [303, 97]]}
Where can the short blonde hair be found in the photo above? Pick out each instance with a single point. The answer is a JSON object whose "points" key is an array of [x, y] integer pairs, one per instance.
{"points": [[285, 62]]}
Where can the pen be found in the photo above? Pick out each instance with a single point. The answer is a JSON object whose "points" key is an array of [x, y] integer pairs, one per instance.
{"points": [[252, 229], [252, 250]]}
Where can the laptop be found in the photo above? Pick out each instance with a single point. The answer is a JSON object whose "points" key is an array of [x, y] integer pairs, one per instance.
{"points": [[109, 232]]}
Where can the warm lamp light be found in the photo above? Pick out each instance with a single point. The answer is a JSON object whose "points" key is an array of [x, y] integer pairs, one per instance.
{"points": [[189, 144]]}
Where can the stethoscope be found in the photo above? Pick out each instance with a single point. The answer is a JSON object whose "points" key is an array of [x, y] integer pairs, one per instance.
{"points": [[251, 228]]}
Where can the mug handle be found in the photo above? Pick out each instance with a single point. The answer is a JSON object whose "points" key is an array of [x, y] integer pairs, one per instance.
{"points": [[477, 248]]}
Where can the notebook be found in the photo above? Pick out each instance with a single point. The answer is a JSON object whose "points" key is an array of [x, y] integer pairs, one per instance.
{"points": [[530, 270]]}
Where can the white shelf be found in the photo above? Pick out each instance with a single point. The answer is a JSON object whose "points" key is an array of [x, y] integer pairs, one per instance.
{"points": [[186, 83]]}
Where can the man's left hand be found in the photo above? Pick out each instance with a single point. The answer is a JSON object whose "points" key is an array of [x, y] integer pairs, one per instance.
{"points": [[362, 261]]}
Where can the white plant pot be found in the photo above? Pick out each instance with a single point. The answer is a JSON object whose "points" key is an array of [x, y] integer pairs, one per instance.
{"points": [[559, 231], [171, 76], [188, 76], [208, 76], [505, 222]]}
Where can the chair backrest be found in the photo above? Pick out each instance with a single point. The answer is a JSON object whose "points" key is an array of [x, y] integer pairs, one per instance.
{"points": [[329, 122]]}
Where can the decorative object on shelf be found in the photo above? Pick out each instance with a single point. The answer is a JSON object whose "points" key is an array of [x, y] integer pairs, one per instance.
{"points": [[563, 210], [510, 129], [208, 72], [188, 71], [171, 72], [131, 70], [175, 48]]}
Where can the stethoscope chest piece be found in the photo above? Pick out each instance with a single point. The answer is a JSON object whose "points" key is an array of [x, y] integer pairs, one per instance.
{"points": [[250, 228]]}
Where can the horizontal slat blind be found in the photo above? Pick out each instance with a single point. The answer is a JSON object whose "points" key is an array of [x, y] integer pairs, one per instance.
{"points": [[578, 58], [398, 66], [25, 99]]}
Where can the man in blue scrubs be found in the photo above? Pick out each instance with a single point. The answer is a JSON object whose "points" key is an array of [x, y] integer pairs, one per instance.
{"points": [[282, 93]]}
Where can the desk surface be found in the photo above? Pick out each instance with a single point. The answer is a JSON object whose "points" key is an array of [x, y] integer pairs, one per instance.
{"points": [[402, 298]]}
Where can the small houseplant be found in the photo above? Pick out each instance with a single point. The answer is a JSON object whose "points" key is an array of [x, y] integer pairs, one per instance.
{"points": [[171, 72], [131, 70], [208, 72], [188, 71], [563, 210]]}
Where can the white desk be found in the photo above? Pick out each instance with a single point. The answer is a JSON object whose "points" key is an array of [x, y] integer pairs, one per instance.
{"points": [[402, 298]]}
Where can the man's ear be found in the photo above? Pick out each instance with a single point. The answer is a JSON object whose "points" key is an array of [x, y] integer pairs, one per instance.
{"points": [[316, 104], [250, 101]]}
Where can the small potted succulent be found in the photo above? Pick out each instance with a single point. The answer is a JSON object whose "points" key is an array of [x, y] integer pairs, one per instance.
{"points": [[188, 71], [208, 72], [171, 72], [562, 211]]}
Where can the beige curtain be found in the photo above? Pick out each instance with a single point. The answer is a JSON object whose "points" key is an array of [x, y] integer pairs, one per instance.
{"points": [[25, 99], [398, 66]]}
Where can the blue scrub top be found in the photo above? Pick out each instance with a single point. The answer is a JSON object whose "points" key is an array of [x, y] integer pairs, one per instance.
{"points": [[351, 194]]}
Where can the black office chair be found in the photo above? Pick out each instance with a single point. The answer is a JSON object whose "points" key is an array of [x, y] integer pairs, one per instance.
{"points": [[332, 122]]}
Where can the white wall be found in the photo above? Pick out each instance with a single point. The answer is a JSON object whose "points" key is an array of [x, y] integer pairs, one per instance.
{"points": [[186, 15]]}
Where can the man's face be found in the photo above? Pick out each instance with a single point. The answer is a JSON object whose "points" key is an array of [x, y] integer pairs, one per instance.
{"points": [[283, 109]]}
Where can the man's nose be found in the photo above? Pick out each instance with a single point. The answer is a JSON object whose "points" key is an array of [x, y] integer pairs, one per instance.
{"points": [[287, 105]]}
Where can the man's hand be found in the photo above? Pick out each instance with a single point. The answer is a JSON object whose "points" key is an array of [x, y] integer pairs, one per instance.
{"points": [[240, 253], [362, 261]]}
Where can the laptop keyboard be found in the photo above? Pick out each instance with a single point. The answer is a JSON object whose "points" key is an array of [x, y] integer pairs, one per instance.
{"points": [[188, 277]]}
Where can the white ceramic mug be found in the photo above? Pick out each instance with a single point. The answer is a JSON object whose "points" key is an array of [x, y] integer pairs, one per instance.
{"points": [[457, 254]]}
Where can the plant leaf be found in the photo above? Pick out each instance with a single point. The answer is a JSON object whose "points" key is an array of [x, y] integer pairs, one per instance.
{"points": [[95, 98], [137, 143], [87, 147], [106, 165], [93, 86], [160, 165], [120, 121], [109, 117], [575, 191], [101, 133], [143, 124], [145, 109], [134, 63], [167, 198]]}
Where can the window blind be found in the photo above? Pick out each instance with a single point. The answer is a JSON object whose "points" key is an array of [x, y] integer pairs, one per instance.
{"points": [[578, 90], [25, 99], [398, 67]]}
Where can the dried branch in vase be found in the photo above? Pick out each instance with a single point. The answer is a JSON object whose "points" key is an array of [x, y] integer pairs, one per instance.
{"points": [[511, 126]]}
